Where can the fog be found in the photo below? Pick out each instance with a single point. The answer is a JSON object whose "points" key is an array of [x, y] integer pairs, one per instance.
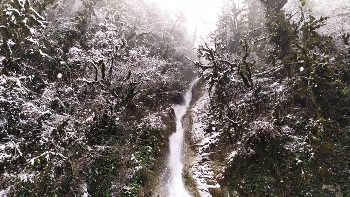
{"points": [[201, 14], [338, 11]]}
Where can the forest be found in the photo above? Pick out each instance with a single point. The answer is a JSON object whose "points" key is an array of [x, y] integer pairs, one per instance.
{"points": [[87, 89]]}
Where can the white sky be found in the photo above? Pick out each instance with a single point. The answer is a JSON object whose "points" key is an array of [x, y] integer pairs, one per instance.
{"points": [[200, 13]]}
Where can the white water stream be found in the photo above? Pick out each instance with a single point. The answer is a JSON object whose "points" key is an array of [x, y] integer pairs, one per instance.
{"points": [[176, 185]]}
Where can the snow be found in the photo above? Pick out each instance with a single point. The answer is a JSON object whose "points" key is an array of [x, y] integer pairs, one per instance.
{"points": [[25, 177], [43, 54], [153, 121], [231, 156], [3, 156], [338, 11], [3, 193], [90, 118], [32, 40], [84, 190], [59, 75], [199, 116], [277, 87], [202, 167], [46, 155], [298, 160], [127, 189], [296, 143], [75, 55], [133, 158]]}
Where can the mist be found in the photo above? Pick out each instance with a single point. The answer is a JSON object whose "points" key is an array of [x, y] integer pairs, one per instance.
{"points": [[201, 98]]}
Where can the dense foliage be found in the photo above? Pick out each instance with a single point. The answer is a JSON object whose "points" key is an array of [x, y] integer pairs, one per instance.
{"points": [[86, 88], [279, 96], [85, 91]]}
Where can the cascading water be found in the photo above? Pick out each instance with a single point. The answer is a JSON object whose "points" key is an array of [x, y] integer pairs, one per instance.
{"points": [[176, 185]]}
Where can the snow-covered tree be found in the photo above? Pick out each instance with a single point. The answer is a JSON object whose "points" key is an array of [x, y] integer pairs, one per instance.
{"points": [[270, 86], [85, 91]]}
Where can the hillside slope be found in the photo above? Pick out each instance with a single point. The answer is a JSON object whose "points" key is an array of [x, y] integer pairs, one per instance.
{"points": [[274, 118]]}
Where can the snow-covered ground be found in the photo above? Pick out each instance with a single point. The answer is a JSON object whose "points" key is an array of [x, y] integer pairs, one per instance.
{"points": [[201, 166]]}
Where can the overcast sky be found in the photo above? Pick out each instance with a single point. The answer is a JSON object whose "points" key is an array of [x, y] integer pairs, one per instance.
{"points": [[202, 14]]}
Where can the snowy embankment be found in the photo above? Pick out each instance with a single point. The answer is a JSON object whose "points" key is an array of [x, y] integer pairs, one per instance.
{"points": [[201, 166]]}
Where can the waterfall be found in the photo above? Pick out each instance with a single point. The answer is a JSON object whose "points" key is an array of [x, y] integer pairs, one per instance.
{"points": [[176, 140]]}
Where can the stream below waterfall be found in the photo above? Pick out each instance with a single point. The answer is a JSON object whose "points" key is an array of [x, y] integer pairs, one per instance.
{"points": [[176, 186]]}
